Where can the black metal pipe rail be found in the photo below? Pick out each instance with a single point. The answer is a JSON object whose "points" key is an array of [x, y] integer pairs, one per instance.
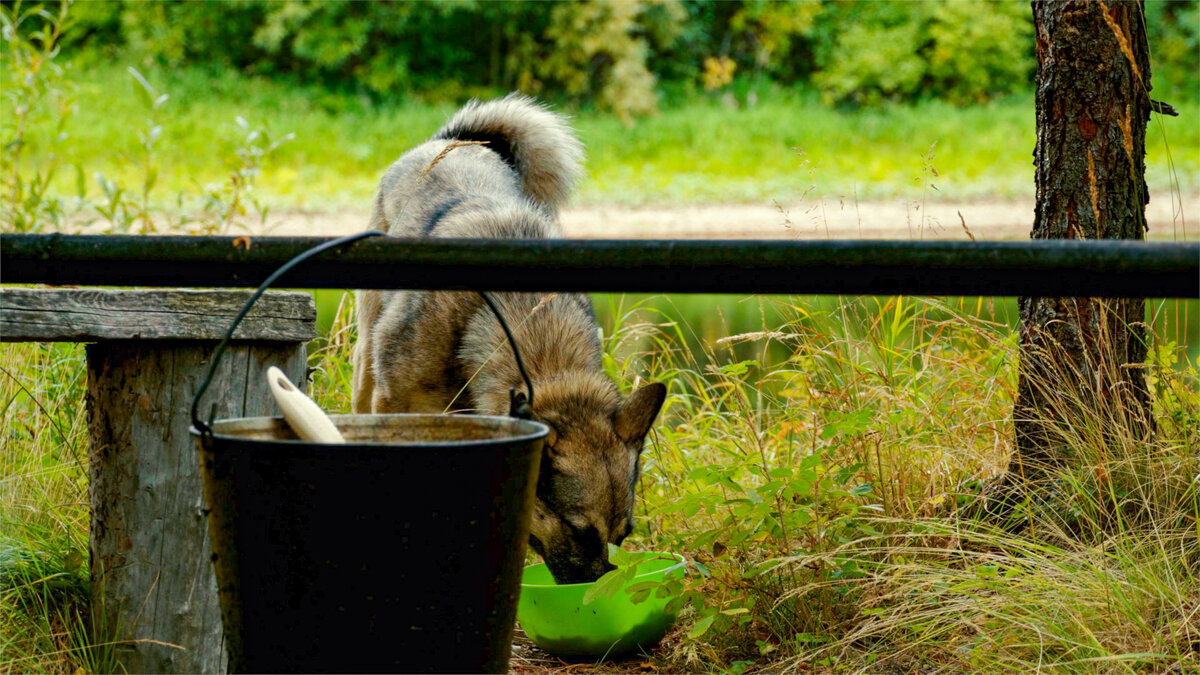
{"points": [[1039, 268]]}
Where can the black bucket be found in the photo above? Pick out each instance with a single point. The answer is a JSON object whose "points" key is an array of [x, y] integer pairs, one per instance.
{"points": [[400, 551]]}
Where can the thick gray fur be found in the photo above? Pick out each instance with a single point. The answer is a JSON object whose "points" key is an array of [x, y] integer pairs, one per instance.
{"points": [[442, 351]]}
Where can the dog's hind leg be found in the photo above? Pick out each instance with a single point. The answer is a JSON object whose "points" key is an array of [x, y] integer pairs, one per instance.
{"points": [[362, 383], [413, 358], [363, 380]]}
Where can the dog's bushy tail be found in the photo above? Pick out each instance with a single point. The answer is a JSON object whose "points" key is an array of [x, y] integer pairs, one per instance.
{"points": [[536, 142]]}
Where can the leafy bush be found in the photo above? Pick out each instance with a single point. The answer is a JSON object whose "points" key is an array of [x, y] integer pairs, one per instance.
{"points": [[953, 49], [616, 54], [600, 49], [595, 50], [1173, 31]]}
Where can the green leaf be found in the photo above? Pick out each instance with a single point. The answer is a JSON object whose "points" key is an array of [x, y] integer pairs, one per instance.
{"points": [[848, 423], [801, 486], [641, 590], [702, 626], [810, 639], [144, 89], [675, 604], [765, 566], [728, 482], [861, 490], [608, 585], [738, 369], [621, 557], [987, 571]]}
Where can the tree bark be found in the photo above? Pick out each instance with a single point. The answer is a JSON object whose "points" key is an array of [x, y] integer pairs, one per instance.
{"points": [[1080, 376]]}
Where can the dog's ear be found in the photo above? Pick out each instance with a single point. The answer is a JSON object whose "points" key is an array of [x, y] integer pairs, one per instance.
{"points": [[637, 413]]}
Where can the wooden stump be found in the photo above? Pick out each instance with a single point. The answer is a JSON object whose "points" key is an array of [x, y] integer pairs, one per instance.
{"points": [[153, 589]]}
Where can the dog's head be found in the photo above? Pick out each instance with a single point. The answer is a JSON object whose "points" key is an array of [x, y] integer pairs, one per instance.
{"points": [[589, 474]]}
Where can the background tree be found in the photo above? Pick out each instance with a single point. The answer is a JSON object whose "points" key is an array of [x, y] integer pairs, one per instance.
{"points": [[1081, 357]]}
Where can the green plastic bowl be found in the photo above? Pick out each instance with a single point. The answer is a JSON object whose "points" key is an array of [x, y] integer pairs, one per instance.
{"points": [[558, 621]]}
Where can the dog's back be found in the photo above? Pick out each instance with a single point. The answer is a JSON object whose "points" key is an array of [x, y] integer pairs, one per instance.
{"points": [[498, 169]]}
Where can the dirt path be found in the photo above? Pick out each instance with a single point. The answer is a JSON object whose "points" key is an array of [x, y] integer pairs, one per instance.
{"points": [[816, 219]]}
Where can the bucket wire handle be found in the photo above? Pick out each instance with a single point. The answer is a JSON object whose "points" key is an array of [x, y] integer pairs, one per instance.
{"points": [[520, 406], [205, 429]]}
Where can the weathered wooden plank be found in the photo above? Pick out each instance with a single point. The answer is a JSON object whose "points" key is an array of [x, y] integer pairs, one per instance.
{"points": [[154, 591], [88, 315]]}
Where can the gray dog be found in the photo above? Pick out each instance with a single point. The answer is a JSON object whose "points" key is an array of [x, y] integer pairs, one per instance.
{"points": [[501, 169]]}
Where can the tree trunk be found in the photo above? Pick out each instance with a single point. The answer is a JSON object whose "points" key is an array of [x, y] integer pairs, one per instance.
{"points": [[1081, 382]]}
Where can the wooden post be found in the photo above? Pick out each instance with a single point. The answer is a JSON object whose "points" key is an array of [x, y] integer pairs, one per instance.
{"points": [[153, 588]]}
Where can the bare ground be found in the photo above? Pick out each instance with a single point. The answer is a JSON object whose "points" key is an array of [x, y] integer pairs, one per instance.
{"points": [[527, 659], [993, 220]]}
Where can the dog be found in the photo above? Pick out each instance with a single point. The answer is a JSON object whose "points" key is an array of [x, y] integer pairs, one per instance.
{"points": [[501, 169]]}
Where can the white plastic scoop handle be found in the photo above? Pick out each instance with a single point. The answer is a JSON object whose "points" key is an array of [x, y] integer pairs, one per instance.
{"points": [[304, 416]]}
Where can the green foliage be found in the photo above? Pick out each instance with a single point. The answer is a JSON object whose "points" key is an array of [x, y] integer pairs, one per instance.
{"points": [[817, 493], [39, 103], [956, 50], [43, 99], [767, 469], [595, 51], [600, 49], [813, 453], [764, 40], [619, 55], [43, 510], [1173, 32], [175, 32]]}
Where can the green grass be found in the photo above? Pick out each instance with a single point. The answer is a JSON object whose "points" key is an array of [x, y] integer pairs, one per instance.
{"points": [[704, 151], [43, 509], [710, 318], [826, 489]]}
